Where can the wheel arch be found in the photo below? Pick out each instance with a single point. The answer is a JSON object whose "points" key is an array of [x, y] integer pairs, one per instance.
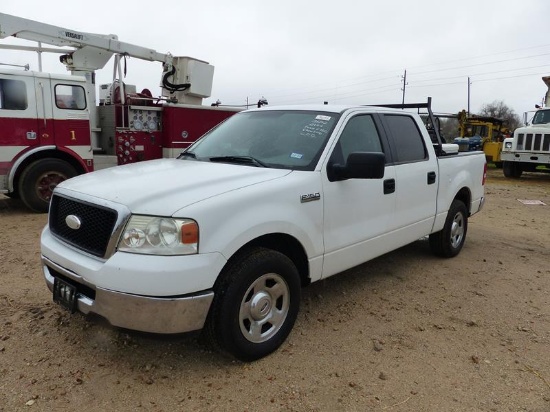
{"points": [[45, 152], [283, 243], [465, 196]]}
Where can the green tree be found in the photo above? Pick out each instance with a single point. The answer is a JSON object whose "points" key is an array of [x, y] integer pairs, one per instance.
{"points": [[500, 110]]}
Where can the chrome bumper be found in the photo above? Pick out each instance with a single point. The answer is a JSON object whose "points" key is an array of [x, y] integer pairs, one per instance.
{"points": [[142, 313]]}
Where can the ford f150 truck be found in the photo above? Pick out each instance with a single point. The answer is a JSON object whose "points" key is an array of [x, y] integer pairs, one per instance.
{"points": [[224, 237]]}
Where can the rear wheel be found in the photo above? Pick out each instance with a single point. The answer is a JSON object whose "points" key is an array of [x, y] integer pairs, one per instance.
{"points": [[449, 241], [255, 304], [512, 169], [39, 179]]}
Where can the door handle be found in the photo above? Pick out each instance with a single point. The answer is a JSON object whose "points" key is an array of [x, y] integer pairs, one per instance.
{"points": [[389, 186], [431, 178]]}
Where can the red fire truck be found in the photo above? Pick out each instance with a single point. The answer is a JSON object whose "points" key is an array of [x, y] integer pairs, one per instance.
{"points": [[52, 127]]}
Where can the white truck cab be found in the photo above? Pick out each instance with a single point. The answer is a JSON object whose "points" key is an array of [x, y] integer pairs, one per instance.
{"points": [[529, 149]]}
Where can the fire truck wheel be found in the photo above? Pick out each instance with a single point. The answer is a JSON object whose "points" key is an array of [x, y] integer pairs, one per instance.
{"points": [[39, 179]]}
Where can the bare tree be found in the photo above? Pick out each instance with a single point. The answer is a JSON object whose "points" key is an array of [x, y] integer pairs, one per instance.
{"points": [[500, 110]]}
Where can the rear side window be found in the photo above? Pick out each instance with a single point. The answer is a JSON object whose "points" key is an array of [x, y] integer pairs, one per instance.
{"points": [[13, 95], [409, 143]]}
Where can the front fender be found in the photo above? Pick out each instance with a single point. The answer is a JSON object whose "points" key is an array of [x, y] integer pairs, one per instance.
{"points": [[234, 219]]}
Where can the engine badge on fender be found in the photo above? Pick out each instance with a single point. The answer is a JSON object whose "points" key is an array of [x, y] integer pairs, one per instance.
{"points": [[310, 197]]}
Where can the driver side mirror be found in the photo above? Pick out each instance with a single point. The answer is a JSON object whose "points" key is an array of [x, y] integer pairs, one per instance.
{"points": [[359, 165]]}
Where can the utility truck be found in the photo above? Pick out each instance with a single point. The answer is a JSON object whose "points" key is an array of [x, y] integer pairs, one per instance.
{"points": [[529, 149], [225, 236], [52, 127], [485, 133]]}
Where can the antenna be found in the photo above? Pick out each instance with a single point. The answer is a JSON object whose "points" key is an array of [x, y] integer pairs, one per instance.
{"points": [[469, 83]]}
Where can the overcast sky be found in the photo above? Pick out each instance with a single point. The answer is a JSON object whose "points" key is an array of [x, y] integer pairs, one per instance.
{"points": [[298, 51]]}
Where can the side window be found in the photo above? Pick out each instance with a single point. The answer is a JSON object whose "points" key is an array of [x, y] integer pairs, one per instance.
{"points": [[70, 97], [408, 139], [359, 135], [13, 95]]}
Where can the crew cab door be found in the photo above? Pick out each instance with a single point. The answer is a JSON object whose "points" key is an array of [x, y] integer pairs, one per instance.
{"points": [[357, 212], [416, 177], [18, 122], [18, 115]]}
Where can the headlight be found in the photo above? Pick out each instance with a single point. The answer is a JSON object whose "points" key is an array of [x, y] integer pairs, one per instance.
{"points": [[154, 235], [508, 145]]}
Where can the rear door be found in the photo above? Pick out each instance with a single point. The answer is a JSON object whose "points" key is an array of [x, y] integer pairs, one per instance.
{"points": [[416, 177]]}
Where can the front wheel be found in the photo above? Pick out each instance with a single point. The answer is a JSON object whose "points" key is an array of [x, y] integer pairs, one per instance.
{"points": [[512, 169], [448, 242], [255, 304], [39, 179]]}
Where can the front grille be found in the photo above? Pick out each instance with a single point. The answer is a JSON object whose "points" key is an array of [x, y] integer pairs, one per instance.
{"points": [[96, 224], [533, 142]]}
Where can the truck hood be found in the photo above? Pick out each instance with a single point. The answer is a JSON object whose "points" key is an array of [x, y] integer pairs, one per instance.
{"points": [[161, 187]]}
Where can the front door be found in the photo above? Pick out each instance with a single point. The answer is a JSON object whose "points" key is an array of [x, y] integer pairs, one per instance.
{"points": [[70, 115], [358, 212]]}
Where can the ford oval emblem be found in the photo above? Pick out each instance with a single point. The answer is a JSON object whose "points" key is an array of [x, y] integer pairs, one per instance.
{"points": [[73, 222]]}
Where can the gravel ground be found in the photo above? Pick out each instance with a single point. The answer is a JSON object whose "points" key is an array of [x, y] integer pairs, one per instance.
{"points": [[404, 332]]}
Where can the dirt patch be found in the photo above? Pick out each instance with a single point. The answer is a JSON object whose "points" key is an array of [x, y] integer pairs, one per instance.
{"points": [[405, 332]]}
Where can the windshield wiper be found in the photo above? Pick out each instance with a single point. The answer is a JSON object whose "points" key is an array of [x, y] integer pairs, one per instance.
{"points": [[239, 159], [187, 154]]}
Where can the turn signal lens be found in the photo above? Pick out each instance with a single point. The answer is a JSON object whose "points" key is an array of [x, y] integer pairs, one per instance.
{"points": [[190, 233]]}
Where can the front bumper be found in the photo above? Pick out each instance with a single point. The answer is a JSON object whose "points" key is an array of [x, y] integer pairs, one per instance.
{"points": [[527, 157], [136, 312]]}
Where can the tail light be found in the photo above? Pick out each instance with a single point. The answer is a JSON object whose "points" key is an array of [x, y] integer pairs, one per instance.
{"points": [[484, 174]]}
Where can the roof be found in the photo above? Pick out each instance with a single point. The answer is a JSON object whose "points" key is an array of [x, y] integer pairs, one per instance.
{"points": [[331, 108]]}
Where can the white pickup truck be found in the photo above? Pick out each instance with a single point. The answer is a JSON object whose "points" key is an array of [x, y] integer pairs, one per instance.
{"points": [[224, 237]]}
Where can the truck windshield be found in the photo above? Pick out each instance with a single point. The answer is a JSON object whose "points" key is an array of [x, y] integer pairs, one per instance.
{"points": [[541, 117], [288, 139]]}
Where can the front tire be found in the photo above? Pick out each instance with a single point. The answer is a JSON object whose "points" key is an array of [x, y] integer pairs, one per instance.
{"points": [[449, 241], [39, 179], [512, 169], [255, 304]]}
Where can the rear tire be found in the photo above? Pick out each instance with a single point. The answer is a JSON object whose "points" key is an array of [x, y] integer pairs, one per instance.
{"points": [[38, 181], [255, 304], [512, 170], [449, 241]]}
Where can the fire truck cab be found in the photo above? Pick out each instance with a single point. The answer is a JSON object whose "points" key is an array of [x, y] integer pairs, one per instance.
{"points": [[53, 128], [44, 133]]}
